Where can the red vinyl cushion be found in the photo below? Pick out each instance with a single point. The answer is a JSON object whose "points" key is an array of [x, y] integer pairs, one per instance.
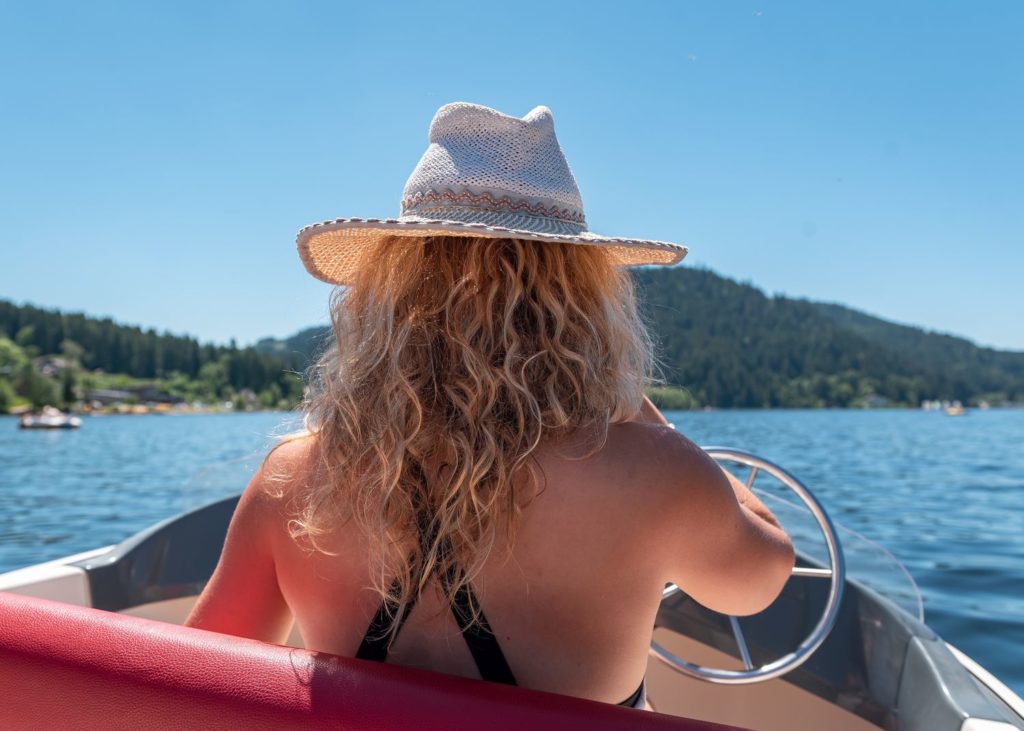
{"points": [[70, 666]]}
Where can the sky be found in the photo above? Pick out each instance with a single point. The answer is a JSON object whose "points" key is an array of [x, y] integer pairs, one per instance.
{"points": [[156, 160]]}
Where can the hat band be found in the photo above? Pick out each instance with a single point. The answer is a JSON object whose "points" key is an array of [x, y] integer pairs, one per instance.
{"points": [[487, 201], [499, 219]]}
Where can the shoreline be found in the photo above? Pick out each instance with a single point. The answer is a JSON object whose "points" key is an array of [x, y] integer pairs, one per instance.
{"points": [[707, 409]]}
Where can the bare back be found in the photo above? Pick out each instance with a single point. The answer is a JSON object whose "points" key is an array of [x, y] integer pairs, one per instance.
{"points": [[574, 604]]}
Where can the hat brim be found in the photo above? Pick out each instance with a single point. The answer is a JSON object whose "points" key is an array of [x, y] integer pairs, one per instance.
{"points": [[330, 250]]}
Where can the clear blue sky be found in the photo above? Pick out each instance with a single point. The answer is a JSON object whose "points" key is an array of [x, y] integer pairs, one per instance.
{"points": [[156, 161]]}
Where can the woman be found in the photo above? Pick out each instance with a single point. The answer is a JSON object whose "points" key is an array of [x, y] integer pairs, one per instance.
{"points": [[482, 488]]}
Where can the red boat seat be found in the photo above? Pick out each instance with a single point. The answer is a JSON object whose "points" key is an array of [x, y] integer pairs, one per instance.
{"points": [[68, 666]]}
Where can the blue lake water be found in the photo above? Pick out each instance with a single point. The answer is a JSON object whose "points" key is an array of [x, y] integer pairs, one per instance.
{"points": [[944, 495]]}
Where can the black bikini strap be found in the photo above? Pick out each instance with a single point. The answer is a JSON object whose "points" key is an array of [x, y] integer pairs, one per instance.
{"points": [[637, 694], [377, 639], [483, 645]]}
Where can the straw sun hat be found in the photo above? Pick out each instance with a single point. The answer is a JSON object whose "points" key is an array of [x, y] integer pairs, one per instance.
{"points": [[484, 174]]}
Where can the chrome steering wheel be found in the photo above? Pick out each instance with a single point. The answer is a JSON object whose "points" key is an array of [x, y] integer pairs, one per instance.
{"points": [[836, 574]]}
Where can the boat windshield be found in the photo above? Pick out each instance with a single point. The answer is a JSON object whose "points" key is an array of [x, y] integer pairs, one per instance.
{"points": [[867, 562], [219, 480]]}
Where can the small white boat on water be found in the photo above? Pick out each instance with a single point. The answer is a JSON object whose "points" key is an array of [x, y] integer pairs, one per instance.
{"points": [[94, 640], [49, 418]]}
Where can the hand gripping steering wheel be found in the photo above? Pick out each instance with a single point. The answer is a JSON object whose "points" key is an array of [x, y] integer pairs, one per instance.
{"points": [[836, 573]]}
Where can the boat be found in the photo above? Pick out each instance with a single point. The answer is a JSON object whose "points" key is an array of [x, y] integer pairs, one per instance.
{"points": [[49, 418], [95, 640]]}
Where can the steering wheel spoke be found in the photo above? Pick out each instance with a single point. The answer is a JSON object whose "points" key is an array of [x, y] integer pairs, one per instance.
{"points": [[835, 573], [737, 632]]}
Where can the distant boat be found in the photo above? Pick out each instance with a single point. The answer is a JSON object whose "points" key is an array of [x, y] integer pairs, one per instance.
{"points": [[50, 418], [955, 411]]}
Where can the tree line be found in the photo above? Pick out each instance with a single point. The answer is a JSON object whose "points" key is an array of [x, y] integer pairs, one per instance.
{"points": [[721, 343], [729, 345], [100, 353]]}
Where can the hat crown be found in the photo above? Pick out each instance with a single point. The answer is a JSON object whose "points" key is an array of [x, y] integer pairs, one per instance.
{"points": [[484, 174], [480, 160]]}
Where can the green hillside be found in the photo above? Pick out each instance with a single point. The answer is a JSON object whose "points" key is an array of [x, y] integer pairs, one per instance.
{"points": [[66, 359], [299, 348], [730, 345], [720, 343], [954, 361]]}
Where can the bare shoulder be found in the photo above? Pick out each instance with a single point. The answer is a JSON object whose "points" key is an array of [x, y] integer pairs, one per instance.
{"points": [[290, 463], [665, 457], [686, 489], [269, 495], [723, 555]]}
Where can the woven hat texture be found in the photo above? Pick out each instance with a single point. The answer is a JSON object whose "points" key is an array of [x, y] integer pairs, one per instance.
{"points": [[484, 174]]}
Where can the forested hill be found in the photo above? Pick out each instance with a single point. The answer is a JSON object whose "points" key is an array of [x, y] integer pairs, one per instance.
{"points": [[731, 345], [726, 343], [61, 358]]}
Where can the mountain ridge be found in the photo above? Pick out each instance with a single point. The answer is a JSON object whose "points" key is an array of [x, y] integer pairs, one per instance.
{"points": [[729, 344], [720, 343]]}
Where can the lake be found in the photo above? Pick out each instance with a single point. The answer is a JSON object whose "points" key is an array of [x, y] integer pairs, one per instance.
{"points": [[944, 495]]}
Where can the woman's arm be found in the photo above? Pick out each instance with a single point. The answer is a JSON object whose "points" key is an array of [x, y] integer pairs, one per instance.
{"points": [[649, 414], [243, 597], [746, 555], [716, 549]]}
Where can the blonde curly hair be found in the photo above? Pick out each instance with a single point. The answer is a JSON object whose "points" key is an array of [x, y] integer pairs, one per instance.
{"points": [[454, 359]]}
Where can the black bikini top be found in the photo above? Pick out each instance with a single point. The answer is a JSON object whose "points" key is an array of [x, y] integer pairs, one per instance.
{"points": [[483, 645]]}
